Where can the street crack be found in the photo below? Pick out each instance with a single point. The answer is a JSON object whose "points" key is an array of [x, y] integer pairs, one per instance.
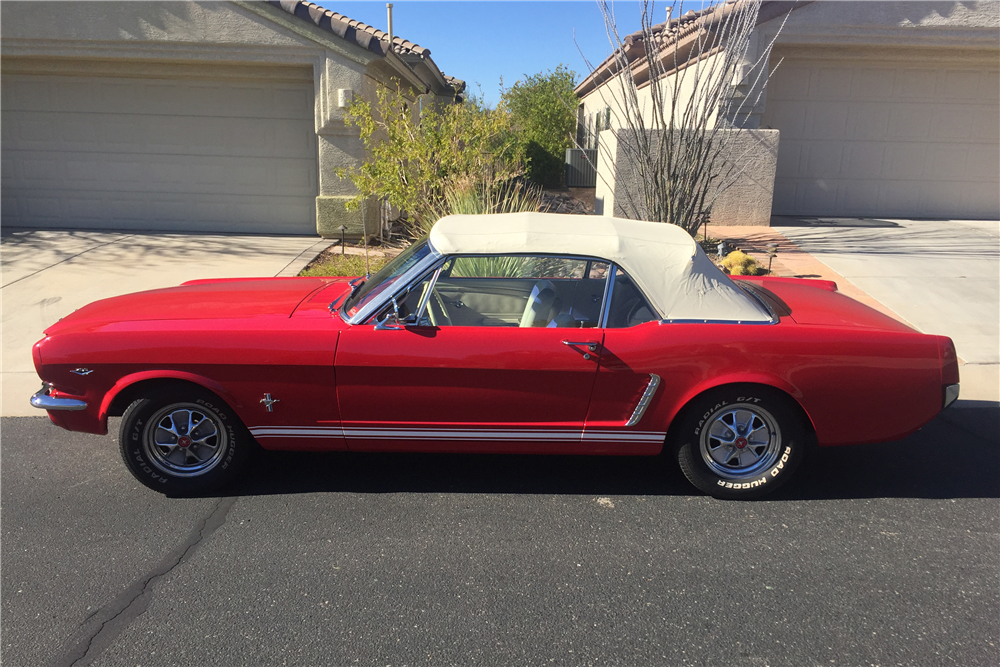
{"points": [[102, 627]]}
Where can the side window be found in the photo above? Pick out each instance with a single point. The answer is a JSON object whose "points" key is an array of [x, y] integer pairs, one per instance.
{"points": [[628, 306], [519, 291]]}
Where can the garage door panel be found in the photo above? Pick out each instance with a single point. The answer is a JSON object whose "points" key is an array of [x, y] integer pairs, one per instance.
{"points": [[983, 164], [820, 190], [81, 132], [90, 172], [788, 159], [869, 83], [784, 195], [919, 138], [914, 83], [857, 196], [864, 160], [947, 162], [902, 196], [989, 88], [823, 159], [910, 122], [868, 120], [828, 121], [937, 198], [906, 160], [955, 122], [189, 155], [144, 212], [790, 82], [168, 97], [961, 84], [831, 83], [987, 124]]}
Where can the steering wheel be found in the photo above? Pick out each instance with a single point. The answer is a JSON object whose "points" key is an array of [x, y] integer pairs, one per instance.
{"points": [[638, 312]]}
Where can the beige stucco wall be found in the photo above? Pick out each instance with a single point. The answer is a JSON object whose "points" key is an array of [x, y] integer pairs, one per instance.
{"points": [[749, 161], [680, 85], [174, 36]]}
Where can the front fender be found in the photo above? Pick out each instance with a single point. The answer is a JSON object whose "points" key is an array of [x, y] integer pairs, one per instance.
{"points": [[130, 380]]}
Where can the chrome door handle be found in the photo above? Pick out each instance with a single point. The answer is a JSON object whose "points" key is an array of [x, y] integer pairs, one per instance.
{"points": [[589, 344]]}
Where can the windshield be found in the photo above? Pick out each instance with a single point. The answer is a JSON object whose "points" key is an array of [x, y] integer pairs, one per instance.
{"points": [[389, 274]]}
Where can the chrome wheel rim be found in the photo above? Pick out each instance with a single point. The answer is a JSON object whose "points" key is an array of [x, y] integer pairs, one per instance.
{"points": [[740, 441], [185, 440]]}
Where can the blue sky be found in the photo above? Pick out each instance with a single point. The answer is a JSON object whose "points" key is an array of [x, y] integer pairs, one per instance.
{"points": [[480, 42]]}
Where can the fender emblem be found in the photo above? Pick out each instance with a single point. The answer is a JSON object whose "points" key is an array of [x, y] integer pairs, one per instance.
{"points": [[82, 371], [269, 402]]}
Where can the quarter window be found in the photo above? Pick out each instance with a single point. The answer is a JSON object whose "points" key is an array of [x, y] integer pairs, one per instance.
{"points": [[628, 306]]}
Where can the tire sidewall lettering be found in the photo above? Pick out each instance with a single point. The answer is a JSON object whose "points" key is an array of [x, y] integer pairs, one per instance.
{"points": [[134, 432], [788, 419]]}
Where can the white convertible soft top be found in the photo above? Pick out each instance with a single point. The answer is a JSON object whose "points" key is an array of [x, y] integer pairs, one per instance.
{"points": [[663, 259]]}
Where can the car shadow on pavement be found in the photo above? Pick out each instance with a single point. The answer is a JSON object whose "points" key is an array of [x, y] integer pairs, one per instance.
{"points": [[943, 460]]}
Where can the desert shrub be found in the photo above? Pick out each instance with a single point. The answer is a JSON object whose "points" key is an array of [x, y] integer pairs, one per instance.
{"points": [[543, 112], [544, 167], [412, 159], [738, 263]]}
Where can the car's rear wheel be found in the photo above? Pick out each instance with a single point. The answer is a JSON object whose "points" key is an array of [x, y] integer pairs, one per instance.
{"points": [[183, 441], [740, 441]]}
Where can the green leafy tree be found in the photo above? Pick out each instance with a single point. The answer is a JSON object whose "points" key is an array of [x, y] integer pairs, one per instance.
{"points": [[414, 160], [543, 111]]}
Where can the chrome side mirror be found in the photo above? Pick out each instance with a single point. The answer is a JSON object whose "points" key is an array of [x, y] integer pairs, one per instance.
{"points": [[385, 323]]}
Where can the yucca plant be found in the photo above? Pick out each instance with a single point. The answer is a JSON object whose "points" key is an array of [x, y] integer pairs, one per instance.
{"points": [[492, 267]]}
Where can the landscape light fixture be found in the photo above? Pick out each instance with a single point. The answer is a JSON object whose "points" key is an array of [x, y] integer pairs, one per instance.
{"points": [[343, 238], [772, 252]]}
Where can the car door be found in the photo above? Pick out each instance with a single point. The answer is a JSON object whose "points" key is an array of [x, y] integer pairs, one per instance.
{"points": [[488, 368], [623, 416]]}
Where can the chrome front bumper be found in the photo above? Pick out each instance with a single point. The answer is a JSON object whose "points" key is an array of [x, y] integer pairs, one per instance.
{"points": [[41, 399]]}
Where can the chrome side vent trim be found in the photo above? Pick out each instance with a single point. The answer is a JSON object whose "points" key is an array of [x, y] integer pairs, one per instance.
{"points": [[647, 396]]}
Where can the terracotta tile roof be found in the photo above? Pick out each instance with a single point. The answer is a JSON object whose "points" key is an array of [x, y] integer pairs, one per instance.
{"points": [[366, 36], [676, 30], [669, 31], [362, 34], [457, 84]]}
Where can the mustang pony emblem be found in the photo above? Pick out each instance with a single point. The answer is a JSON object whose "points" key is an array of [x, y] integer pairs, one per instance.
{"points": [[269, 402]]}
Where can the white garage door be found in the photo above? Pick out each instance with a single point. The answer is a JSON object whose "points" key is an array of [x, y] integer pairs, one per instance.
{"points": [[191, 154], [890, 140]]}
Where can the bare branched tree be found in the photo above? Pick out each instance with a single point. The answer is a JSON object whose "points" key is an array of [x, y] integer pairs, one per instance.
{"points": [[675, 91]]}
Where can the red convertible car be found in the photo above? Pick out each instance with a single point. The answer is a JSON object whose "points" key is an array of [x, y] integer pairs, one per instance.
{"points": [[518, 333]]}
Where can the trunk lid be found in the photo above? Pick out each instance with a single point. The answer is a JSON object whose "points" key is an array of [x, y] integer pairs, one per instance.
{"points": [[816, 302]]}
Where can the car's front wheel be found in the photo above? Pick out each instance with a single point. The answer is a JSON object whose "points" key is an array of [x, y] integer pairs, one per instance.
{"points": [[183, 441], [740, 442]]}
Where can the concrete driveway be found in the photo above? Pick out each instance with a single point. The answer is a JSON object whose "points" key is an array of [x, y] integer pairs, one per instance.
{"points": [[942, 276], [46, 275]]}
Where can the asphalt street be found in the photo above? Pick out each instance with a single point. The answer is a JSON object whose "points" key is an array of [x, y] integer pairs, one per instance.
{"points": [[878, 554]]}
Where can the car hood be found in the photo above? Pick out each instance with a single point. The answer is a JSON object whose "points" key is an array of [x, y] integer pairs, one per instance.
{"points": [[226, 299]]}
